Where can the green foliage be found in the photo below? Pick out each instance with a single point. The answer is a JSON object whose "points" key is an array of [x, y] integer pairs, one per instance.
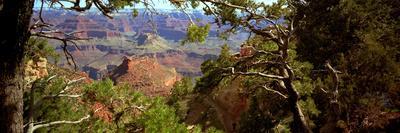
{"points": [[359, 37], [160, 118], [211, 130], [131, 110], [134, 111], [196, 33], [39, 47], [310, 107], [48, 108], [120, 4], [256, 120], [182, 88], [267, 110], [101, 91], [180, 96], [135, 12], [213, 71]]}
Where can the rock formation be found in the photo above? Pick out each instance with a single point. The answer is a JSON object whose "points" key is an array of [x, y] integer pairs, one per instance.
{"points": [[35, 69], [145, 74], [87, 28]]}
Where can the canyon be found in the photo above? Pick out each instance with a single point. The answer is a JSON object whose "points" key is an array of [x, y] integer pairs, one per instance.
{"points": [[115, 43], [124, 35]]}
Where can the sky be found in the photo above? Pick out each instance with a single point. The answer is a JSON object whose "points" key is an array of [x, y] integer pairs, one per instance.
{"points": [[160, 4]]}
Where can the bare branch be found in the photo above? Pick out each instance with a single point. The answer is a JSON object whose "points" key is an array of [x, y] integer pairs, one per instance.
{"points": [[323, 90], [51, 78], [232, 69], [102, 8], [61, 93], [40, 11], [64, 95], [70, 83], [274, 91], [46, 31], [141, 107], [289, 71], [211, 11], [217, 2], [57, 123], [261, 62], [40, 122], [335, 79]]}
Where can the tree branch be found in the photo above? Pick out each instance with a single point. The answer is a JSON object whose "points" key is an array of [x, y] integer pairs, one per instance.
{"points": [[60, 94], [57, 123], [274, 91], [335, 79], [70, 83], [232, 69], [217, 2], [64, 95]]}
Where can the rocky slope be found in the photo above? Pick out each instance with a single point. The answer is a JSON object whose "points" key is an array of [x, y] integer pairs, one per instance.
{"points": [[145, 74]]}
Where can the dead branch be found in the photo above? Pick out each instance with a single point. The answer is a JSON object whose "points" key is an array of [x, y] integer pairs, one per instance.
{"points": [[70, 83], [274, 91], [233, 72], [141, 107], [335, 78], [217, 2], [31, 130], [46, 31], [61, 93], [64, 95]]}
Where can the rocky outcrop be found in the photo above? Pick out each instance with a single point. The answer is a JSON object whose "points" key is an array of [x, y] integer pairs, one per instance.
{"points": [[145, 74], [35, 69]]}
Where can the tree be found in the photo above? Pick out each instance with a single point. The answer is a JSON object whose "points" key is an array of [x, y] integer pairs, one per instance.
{"points": [[49, 100], [133, 111], [360, 38], [272, 23], [15, 17]]}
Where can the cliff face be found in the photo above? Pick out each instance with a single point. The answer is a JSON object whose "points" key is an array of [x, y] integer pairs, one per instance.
{"points": [[127, 36], [146, 75], [186, 63], [99, 67], [87, 28]]}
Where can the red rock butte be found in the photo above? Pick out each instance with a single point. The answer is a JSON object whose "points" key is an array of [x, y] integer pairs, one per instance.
{"points": [[146, 75]]}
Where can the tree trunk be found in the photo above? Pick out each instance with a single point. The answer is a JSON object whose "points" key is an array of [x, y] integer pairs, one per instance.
{"points": [[299, 124], [15, 16]]}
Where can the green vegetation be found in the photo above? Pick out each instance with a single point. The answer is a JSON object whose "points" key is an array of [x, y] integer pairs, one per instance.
{"points": [[39, 47], [359, 38], [308, 66], [180, 96], [120, 109], [196, 33]]}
